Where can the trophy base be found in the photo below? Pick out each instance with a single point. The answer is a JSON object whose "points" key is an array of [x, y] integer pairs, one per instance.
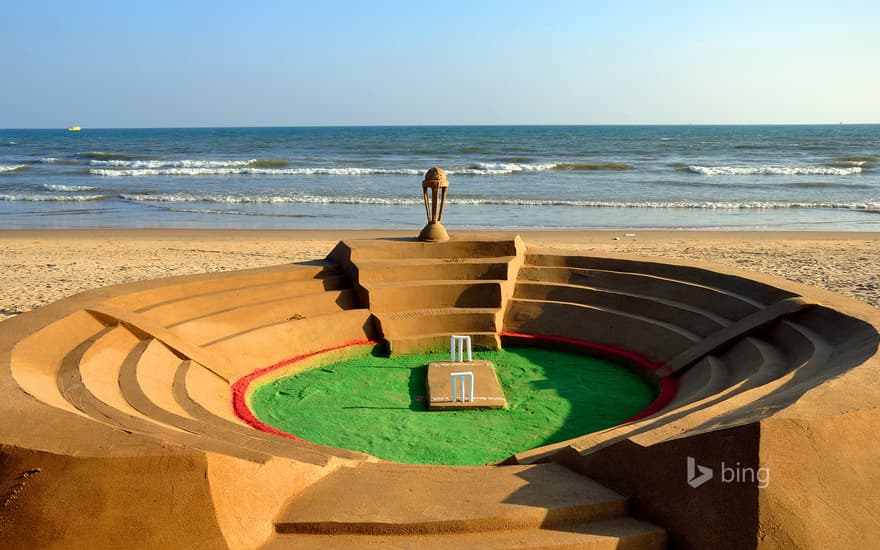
{"points": [[434, 232]]}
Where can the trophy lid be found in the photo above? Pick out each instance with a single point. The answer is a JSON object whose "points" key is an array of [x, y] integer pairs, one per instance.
{"points": [[435, 178]]}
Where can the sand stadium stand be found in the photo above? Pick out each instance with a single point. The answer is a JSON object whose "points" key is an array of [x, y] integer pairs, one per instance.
{"points": [[123, 418]]}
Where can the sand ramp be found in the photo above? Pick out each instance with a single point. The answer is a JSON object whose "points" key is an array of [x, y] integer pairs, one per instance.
{"points": [[522, 506]]}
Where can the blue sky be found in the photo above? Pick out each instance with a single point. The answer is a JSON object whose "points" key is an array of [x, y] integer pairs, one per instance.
{"points": [[272, 63]]}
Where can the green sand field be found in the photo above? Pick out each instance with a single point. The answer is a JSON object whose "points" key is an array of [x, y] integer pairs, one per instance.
{"points": [[377, 405]]}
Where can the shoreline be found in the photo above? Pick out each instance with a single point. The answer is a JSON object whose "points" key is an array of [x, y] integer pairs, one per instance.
{"points": [[562, 235], [45, 265]]}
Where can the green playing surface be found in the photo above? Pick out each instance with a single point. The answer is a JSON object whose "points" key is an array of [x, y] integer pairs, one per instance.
{"points": [[378, 405]]}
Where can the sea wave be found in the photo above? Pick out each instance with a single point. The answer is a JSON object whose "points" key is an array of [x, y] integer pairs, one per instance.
{"points": [[846, 163], [593, 166], [482, 201], [247, 170], [102, 155], [7, 169], [269, 163], [751, 186], [269, 199], [232, 198], [56, 160], [862, 158], [822, 185], [151, 164], [490, 168], [37, 197], [136, 168], [773, 170], [66, 188]]}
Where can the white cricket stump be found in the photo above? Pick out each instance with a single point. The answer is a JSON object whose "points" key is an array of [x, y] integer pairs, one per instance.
{"points": [[462, 386], [457, 345], [451, 387]]}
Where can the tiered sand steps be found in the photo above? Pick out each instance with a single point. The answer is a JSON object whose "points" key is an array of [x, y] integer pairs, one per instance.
{"points": [[159, 362], [765, 337], [410, 506], [733, 357], [666, 314], [421, 293]]}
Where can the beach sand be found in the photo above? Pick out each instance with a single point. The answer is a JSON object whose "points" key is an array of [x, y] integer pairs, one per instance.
{"points": [[40, 267]]}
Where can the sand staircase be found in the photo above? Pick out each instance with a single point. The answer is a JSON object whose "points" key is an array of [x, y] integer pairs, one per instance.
{"points": [[420, 293], [409, 506]]}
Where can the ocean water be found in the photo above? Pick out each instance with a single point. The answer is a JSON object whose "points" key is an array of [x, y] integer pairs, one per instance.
{"points": [[501, 177]]}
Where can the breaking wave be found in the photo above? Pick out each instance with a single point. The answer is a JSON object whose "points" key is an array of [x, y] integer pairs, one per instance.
{"points": [[293, 198], [33, 197], [135, 168], [152, 164], [67, 188], [774, 170], [500, 168], [245, 169], [590, 167], [56, 160], [7, 169], [481, 201]]}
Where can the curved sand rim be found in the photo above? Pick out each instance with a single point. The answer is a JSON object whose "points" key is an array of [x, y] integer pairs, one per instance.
{"points": [[118, 426]]}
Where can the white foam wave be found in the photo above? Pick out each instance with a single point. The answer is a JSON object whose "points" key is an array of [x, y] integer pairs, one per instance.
{"points": [[34, 197], [481, 201], [67, 188], [499, 168], [5, 168], [270, 199], [56, 160], [155, 164], [773, 170], [245, 170], [136, 168], [873, 205]]}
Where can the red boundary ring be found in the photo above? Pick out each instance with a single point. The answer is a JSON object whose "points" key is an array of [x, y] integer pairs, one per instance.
{"points": [[668, 384], [240, 387]]}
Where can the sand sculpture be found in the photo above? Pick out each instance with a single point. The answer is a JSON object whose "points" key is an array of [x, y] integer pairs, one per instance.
{"points": [[435, 181], [124, 418]]}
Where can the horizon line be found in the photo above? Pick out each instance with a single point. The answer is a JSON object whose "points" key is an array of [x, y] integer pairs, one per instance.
{"points": [[535, 124]]}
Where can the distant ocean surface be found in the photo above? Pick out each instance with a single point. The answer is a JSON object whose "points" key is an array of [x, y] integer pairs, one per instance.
{"points": [[501, 177]]}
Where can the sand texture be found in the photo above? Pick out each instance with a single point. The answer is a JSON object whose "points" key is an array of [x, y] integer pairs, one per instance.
{"points": [[139, 393], [40, 267]]}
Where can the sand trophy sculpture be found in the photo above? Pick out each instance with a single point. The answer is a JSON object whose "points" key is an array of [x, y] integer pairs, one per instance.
{"points": [[435, 180]]}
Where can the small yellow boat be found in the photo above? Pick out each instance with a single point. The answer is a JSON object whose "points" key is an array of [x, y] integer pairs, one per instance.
{"points": [[74, 129]]}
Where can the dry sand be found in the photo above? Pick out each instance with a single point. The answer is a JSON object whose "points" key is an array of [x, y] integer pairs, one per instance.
{"points": [[39, 267]]}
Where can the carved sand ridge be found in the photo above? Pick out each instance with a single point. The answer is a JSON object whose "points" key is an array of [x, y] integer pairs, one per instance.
{"points": [[118, 404]]}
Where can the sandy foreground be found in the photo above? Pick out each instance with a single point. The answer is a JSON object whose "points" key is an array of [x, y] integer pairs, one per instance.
{"points": [[39, 267]]}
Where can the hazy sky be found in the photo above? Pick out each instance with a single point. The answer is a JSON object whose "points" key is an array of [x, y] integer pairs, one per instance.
{"points": [[135, 63]]}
